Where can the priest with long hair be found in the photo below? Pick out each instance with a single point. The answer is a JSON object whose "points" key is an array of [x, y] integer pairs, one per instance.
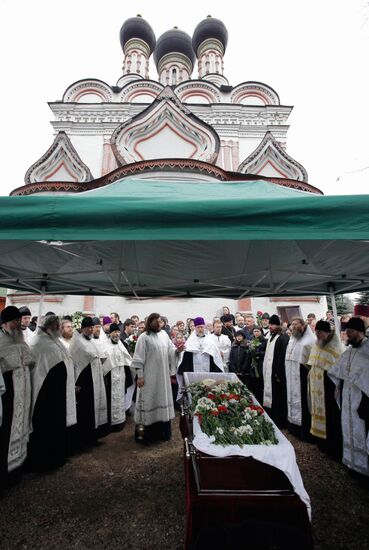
{"points": [[154, 362]]}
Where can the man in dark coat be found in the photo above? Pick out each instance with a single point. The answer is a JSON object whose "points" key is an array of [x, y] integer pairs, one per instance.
{"points": [[255, 359], [238, 360], [228, 328], [274, 374]]}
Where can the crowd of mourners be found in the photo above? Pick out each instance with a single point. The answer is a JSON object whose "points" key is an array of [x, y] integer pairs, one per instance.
{"points": [[63, 387]]}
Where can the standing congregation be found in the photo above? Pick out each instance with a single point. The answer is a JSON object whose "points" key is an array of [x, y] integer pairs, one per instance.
{"points": [[62, 388]]}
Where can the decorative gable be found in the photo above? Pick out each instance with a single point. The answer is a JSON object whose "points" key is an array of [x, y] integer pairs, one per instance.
{"points": [[166, 129], [271, 160], [61, 162]]}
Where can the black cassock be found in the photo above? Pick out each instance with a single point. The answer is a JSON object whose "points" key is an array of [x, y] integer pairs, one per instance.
{"points": [[84, 432], [304, 432], [333, 443], [278, 410], [47, 447], [187, 364], [5, 430]]}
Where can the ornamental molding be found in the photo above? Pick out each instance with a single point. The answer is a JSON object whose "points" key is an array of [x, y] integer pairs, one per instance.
{"points": [[267, 94], [210, 45], [136, 44], [34, 298], [141, 87], [60, 156], [175, 58], [88, 86], [269, 151], [157, 166], [168, 126], [183, 89]]}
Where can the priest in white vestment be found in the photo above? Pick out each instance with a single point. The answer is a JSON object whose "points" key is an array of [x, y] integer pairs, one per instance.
{"points": [[154, 360], [91, 394], [201, 354], [297, 354], [274, 373], [222, 342], [28, 334], [53, 398], [66, 332], [100, 338], [351, 376], [117, 358], [325, 414], [15, 364]]}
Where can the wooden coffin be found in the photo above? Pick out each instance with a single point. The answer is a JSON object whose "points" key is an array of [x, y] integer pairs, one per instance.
{"points": [[227, 497]]}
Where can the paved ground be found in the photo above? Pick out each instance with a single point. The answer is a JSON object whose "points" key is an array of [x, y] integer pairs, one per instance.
{"points": [[122, 495]]}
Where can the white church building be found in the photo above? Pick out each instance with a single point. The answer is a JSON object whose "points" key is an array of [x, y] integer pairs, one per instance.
{"points": [[187, 122]]}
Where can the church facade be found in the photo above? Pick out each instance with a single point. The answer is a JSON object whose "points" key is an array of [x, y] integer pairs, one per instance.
{"points": [[185, 123]]}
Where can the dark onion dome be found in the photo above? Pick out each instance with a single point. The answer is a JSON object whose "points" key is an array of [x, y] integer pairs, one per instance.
{"points": [[174, 41], [137, 27], [209, 28]]}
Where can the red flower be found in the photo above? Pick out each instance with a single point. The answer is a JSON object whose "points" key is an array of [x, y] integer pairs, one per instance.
{"points": [[234, 396], [224, 396], [259, 410], [259, 312], [222, 408], [199, 416], [211, 396], [214, 412]]}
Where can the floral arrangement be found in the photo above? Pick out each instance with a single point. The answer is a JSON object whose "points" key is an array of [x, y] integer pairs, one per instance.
{"points": [[77, 320], [254, 346], [226, 411], [132, 341], [259, 315]]}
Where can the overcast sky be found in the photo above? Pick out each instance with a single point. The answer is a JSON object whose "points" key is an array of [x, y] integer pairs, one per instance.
{"points": [[314, 54]]}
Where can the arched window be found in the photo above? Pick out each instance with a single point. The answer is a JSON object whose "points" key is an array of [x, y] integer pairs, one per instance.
{"points": [[174, 77]]}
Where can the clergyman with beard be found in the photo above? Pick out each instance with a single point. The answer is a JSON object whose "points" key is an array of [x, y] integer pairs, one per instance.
{"points": [[154, 362], [66, 332], [325, 413], [297, 354], [15, 363], [201, 354], [351, 377], [274, 374], [53, 398], [91, 395], [117, 360]]}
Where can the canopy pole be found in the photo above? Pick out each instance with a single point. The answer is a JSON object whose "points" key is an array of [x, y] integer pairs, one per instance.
{"points": [[40, 305], [334, 308]]}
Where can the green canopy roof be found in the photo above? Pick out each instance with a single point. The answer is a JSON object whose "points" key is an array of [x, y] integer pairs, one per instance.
{"points": [[152, 238], [160, 210]]}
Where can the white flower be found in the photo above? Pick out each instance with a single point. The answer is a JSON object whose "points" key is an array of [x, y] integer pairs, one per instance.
{"points": [[249, 430], [204, 403], [233, 401], [220, 430], [208, 382]]}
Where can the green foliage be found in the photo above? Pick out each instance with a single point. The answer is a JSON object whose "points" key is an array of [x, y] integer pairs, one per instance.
{"points": [[344, 304]]}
